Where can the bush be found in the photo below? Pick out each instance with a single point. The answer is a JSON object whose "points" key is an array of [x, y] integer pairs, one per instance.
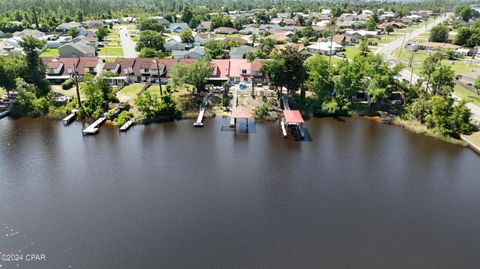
{"points": [[122, 118], [261, 111], [68, 84]]}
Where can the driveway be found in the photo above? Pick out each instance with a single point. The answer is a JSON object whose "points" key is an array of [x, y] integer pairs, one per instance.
{"points": [[128, 45]]}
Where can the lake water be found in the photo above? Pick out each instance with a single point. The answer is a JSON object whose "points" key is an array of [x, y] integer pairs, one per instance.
{"points": [[360, 195]]}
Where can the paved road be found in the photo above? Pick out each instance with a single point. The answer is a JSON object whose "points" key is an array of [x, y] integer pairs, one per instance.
{"points": [[388, 49], [128, 45]]}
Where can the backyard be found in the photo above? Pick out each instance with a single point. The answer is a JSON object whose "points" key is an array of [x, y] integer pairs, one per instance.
{"points": [[50, 53]]}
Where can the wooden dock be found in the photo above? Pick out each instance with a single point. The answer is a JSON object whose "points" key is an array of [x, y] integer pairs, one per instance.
{"points": [[284, 128], [94, 127], [70, 118], [127, 125], [234, 105], [203, 108], [199, 122], [9, 109]]}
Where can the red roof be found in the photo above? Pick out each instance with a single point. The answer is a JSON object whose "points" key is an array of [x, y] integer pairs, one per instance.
{"points": [[67, 62], [221, 68], [293, 116], [86, 62], [241, 113]]}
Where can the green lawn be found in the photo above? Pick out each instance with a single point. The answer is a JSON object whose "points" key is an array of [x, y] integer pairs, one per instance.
{"points": [[110, 51], [351, 51], [50, 53], [406, 55], [129, 93], [467, 95]]}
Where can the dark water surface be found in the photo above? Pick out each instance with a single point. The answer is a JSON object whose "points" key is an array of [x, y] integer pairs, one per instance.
{"points": [[361, 195]]}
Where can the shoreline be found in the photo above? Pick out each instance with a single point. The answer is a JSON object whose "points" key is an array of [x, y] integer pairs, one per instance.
{"points": [[408, 125]]}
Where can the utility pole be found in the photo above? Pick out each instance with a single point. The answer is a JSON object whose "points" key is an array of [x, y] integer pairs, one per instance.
{"points": [[159, 79], [75, 77]]}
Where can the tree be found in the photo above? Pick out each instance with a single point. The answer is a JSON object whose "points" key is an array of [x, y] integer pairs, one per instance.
{"points": [[319, 80], [150, 24], [477, 84], [148, 53], [389, 29], [287, 70], [214, 48], [265, 48], [102, 33], [371, 24], [148, 104], [186, 36], [194, 74], [73, 32], [34, 70], [155, 107], [438, 33], [465, 12], [186, 15], [262, 17], [150, 39], [98, 93], [10, 69], [439, 77]]}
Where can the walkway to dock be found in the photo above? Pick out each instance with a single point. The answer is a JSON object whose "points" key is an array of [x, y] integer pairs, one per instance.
{"points": [[94, 127], [9, 109], [234, 104], [127, 125], [69, 119], [203, 107]]}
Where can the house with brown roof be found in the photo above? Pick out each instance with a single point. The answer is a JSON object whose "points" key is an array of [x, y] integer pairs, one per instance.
{"points": [[225, 30], [60, 69], [342, 40], [204, 26], [290, 22], [122, 69]]}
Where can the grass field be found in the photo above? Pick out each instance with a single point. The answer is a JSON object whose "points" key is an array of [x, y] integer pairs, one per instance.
{"points": [[129, 93], [50, 53], [110, 51], [351, 51], [467, 95]]}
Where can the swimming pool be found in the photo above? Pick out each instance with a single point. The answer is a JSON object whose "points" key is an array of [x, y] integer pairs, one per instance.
{"points": [[243, 87]]}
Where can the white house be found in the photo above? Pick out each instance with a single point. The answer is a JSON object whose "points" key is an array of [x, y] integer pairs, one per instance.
{"points": [[325, 48]]}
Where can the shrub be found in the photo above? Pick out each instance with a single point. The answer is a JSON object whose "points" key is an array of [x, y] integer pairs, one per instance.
{"points": [[261, 111], [68, 84], [123, 117]]}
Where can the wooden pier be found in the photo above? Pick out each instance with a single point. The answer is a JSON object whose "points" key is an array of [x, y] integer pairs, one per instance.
{"points": [[127, 125], [284, 128], [9, 109], [234, 106], [203, 108], [94, 127], [70, 118]]}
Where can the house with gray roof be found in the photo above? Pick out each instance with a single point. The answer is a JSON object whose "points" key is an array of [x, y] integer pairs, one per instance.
{"points": [[78, 49], [241, 52], [195, 53], [173, 44]]}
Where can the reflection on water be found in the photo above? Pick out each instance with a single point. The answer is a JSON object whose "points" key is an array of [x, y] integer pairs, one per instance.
{"points": [[361, 195]]}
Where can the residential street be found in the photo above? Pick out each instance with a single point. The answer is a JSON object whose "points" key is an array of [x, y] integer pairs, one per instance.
{"points": [[406, 74], [128, 44]]}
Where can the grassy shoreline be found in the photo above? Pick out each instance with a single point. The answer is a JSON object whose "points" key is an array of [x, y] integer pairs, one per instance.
{"points": [[418, 128]]}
